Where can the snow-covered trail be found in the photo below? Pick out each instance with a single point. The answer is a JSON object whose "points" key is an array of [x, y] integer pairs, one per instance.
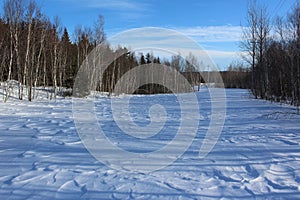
{"points": [[257, 155]]}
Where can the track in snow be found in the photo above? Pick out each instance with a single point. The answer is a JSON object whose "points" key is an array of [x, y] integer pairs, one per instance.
{"points": [[257, 155]]}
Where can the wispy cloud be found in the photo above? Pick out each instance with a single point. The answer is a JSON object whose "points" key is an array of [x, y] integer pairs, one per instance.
{"points": [[217, 37], [170, 42], [213, 33], [118, 4], [109, 4], [126, 9]]}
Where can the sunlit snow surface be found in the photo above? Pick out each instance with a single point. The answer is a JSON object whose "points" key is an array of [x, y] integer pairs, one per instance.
{"points": [[257, 154]]}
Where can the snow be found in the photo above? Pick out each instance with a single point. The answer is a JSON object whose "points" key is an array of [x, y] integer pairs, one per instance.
{"points": [[256, 156]]}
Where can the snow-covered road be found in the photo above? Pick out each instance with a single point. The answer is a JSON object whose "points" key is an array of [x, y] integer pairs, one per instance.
{"points": [[257, 154]]}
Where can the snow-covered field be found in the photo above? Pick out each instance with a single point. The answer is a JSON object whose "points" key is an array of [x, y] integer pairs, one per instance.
{"points": [[257, 154]]}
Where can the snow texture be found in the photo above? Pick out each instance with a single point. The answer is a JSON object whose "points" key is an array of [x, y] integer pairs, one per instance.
{"points": [[257, 155]]}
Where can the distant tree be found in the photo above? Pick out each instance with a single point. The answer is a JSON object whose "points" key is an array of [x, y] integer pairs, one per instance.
{"points": [[191, 63], [156, 60], [142, 59], [237, 76], [149, 58], [100, 35]]}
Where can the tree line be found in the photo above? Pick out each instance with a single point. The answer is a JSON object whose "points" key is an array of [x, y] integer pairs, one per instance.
{"points": [[38, 52], [272, 49]]}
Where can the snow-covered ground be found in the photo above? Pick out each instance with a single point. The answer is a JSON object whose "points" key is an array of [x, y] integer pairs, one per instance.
{"points": [[257, 154]]}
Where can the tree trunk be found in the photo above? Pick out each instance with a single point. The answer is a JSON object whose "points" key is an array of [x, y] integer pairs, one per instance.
{"points": [[26, 63]]}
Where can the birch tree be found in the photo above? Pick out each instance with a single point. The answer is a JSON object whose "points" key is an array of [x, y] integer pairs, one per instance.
{"points": [[13, 11]]}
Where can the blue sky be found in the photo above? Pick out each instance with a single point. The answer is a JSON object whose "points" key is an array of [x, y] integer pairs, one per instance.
{"points": [[214, 24]]}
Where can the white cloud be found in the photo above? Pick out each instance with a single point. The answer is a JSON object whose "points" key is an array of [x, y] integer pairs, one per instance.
{"points": [[170, 42], [213, 33], [118, 4], [126, 9]]}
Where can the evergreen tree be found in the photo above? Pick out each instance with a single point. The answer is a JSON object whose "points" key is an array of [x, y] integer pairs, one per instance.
{"points": [[142, 60]]}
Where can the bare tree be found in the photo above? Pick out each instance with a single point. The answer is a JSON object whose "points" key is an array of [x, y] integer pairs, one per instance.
{"points": [[99, 33], [56, 31], [100, 39], [254, 43], [3, 54], [293, 26], [41, 29], [13, 11], [262, 32], [31, 11], [177, 64], [249, 43]]}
